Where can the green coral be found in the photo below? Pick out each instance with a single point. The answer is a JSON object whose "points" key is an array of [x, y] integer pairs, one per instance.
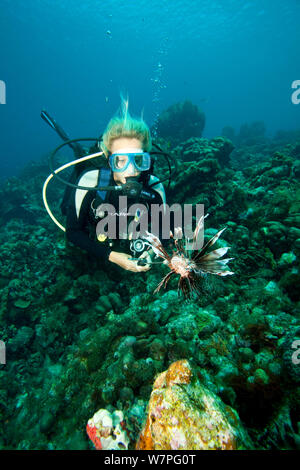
{"points": [[180, 121]]}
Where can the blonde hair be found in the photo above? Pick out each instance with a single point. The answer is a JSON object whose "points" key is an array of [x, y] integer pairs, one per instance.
{"points": [[126, 126]]}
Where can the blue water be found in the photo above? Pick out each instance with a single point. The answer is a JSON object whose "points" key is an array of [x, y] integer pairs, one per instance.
{"points": [[236, 59]]}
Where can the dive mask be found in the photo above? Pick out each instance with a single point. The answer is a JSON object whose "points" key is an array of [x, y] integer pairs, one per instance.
{"points": [[121, 160]]}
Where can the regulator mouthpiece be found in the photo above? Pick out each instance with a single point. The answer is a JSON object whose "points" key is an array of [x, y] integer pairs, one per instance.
{"points": [[132, 188]]}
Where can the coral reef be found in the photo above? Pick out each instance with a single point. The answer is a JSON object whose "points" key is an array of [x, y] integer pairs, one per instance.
{"points": [[249, 134], [195, 149], [180, 122], [81, 337]]}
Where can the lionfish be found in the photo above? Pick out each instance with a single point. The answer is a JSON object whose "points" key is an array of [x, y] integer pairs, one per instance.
{"points": [[192, 264]]}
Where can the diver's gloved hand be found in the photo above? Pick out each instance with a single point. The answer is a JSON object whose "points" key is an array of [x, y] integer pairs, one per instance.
{"points": [[123, 260]]}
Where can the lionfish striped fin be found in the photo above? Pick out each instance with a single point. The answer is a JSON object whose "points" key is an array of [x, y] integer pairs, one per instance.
{"points": [[199, 227], [214, 254], [215, 267], [208, 244]]}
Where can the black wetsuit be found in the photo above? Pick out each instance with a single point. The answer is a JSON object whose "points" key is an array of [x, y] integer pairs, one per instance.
{"points": [[81, 231]]}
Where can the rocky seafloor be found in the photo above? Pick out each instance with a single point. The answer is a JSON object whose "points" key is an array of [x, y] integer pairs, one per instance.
{"points": [[80, 337]]}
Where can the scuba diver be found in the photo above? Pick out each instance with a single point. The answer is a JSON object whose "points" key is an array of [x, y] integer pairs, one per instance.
{"points": [[124, 167]]}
